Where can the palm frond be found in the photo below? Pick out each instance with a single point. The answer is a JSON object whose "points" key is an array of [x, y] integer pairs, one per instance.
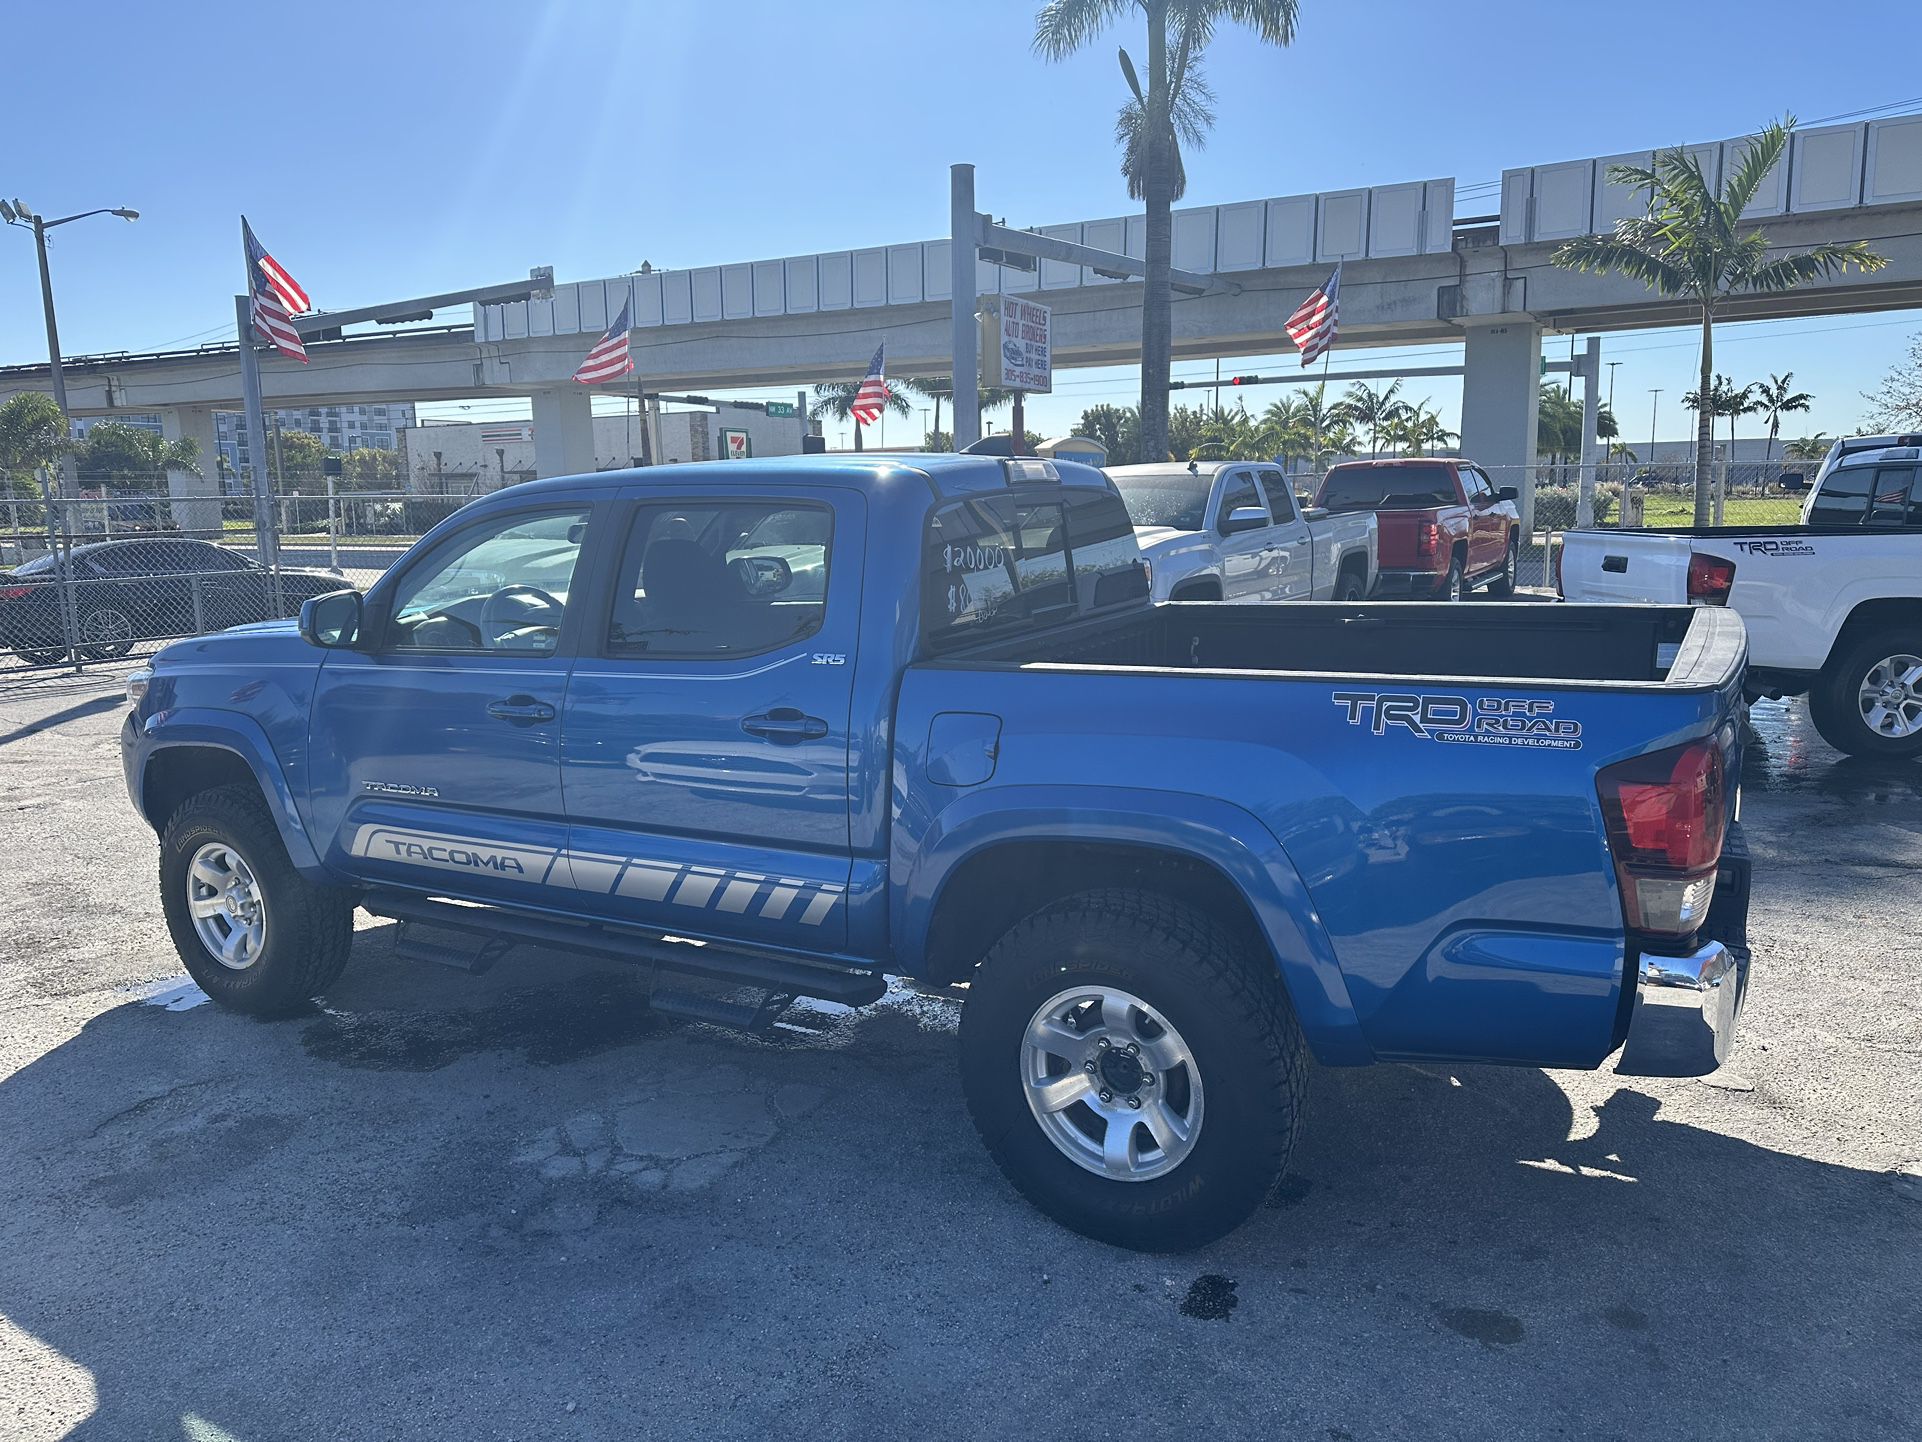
{"points": [[1816, 263], [1064, 26], [1273, 21], [1759, 157], [1131, 134], [1610, 254]]}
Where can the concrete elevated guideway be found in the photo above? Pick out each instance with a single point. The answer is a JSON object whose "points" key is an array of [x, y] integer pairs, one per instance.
{"points": [[1411, 274]]}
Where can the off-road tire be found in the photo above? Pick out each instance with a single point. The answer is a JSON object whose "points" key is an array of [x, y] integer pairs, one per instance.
{"points": [[1226, 1002], [310, 928], [1834, 706]]}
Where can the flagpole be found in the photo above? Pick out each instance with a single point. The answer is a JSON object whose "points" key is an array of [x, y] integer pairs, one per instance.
{"points": [[265, 538]]}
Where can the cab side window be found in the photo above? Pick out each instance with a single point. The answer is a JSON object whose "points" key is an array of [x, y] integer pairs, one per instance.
{"points": [[714, 578], [497, 587], [1844, 497], [1238, 491], [1281, 500], [1889, 498]]}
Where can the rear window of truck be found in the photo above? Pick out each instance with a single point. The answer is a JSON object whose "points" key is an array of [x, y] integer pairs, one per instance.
{"points": [[1024, 560], [1388, 488]]}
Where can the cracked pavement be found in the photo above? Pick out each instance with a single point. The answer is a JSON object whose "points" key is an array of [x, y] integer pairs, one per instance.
{"points": [[521, 1206]]}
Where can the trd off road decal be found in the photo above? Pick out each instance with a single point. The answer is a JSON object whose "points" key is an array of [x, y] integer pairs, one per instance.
{"points": [[1482, 721], [1775, 546]]}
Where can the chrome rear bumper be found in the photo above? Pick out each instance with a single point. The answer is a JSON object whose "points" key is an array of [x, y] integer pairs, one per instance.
{"points": [[1685, 1012]]}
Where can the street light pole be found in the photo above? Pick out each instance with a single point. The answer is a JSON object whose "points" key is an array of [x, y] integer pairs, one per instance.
{"points": [[17, 213], [1652, 406]]}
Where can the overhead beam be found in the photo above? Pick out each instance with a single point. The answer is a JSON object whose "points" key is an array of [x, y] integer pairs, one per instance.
{"points": [[1109, 262], [539, 283]]}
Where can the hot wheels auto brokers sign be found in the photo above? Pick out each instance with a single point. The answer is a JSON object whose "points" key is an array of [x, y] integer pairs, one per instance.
{"points": [[1021, 350], [1484, 721]]}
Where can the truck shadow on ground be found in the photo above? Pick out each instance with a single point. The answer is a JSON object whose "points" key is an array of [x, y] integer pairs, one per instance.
{"points": [[443, 1212]]}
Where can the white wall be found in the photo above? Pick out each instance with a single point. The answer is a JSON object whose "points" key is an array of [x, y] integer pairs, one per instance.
{"points": [[684, 436]]}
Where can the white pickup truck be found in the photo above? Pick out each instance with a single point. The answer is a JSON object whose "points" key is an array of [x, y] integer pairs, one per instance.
{"points": [[1833, 606], [1234, 531]]}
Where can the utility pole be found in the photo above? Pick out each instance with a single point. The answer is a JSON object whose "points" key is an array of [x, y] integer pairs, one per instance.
{"points": [[1611, 386], [1653, 406]]}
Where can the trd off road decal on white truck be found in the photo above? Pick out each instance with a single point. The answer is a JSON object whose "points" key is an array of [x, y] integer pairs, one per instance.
{"points": [[1775, 546], [772, 898], [1483, 721]]}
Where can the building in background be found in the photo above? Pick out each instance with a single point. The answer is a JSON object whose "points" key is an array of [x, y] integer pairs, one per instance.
{"points": [[83, 424], [466, 457], [340, 428]]}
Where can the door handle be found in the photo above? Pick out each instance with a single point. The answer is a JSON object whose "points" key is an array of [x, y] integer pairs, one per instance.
{"points": [[785, 726], [520, 710]]}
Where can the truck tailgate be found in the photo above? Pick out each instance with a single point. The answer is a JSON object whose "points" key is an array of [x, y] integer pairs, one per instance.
{"points": [[1608, 566], [1397, 540]]}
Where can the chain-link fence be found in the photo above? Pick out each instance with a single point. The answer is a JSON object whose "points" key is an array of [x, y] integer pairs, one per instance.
{"points": [[110, 575]]}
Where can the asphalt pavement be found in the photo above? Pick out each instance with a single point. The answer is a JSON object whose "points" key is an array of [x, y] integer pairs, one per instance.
{"points": [[519, 1206]]}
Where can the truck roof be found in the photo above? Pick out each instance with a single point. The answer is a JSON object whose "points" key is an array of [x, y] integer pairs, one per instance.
{"points": [[946, 474]]}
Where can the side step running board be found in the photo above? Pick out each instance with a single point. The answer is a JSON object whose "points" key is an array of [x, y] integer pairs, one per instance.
{"points": [[779, 975]]}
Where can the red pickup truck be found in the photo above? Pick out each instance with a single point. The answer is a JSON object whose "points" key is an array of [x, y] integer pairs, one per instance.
{"points": [[1444, 527]]}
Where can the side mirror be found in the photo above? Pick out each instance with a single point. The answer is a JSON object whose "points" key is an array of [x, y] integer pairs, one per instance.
{"points": [[1508, 493], [1314, 513], [1792, 481], [333, 621], [1244, 518], [764, 575]]}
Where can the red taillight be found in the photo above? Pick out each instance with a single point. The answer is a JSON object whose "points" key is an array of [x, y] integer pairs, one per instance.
{"points": [[1710, 579], [1667, 817], [1428, 539], [14, 593]]}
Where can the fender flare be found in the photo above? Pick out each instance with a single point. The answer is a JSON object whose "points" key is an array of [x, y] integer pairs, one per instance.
{"points": [[243, 736], [1204, 829]]}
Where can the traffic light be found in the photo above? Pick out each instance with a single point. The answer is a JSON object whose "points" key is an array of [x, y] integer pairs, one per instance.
{"points": [[1244, 380]]}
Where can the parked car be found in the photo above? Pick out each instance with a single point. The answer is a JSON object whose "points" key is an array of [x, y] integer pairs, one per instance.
{"points": [[1174, 849], [1833, 605], [129, 591], [1445, 528], [1233, 531]]}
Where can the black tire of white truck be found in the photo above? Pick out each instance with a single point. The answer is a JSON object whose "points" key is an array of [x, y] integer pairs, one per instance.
{"points": [[1841, 701], [308, 929], [1224, 1004]]}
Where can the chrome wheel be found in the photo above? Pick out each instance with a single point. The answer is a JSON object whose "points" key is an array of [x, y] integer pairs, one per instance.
{"points": [[1890, 697], [1457, 586], [1111, 1083], [1509, 567], [228, 911]]}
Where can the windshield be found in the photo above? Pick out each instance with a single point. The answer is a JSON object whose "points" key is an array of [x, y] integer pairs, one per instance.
{"points": [[1387, 488], [1165, 498]]}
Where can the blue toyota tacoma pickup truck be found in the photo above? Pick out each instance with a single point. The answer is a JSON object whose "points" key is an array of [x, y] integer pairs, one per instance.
{"points": [[789, 725]]}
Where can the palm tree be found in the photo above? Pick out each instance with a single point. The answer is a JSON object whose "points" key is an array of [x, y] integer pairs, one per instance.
{"points": [[1692, 244], [834, 400], [1808, 448], [1558, 423], [1371, 411], [1171, 108], [941, 388], [1725, 398], [1774, 398], [1423, 430]]}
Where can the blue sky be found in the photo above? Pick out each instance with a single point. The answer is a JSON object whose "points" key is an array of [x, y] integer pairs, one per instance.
{"points": [[425, 146]]}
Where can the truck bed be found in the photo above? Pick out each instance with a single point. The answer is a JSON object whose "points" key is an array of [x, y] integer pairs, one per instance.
{"points": [[1585, 646]]}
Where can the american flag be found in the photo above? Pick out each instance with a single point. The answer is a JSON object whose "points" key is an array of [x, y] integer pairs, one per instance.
{"points": [[610, 357], [1316, 320], [276, 298], [872, 398]]}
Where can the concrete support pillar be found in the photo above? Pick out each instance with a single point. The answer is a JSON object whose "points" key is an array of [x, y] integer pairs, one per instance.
{"points": [[1501, 397], [564, 432], [1591, 371], [194, 500]]}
